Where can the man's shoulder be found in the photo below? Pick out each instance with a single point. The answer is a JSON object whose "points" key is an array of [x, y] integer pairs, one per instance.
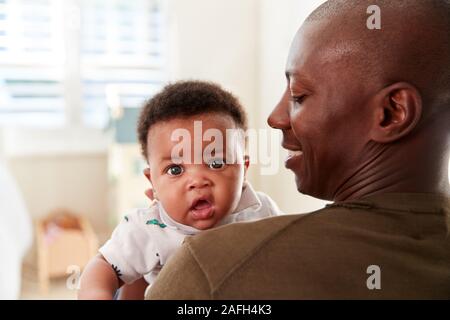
{"points": [[222, 250], [250, 234], [323, 254]]}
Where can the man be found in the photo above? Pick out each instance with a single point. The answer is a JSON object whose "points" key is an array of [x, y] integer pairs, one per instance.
{"points": [[366, 115]]}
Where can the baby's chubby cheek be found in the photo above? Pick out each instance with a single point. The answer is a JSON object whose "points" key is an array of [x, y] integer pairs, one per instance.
{"points": [[228, 198]]}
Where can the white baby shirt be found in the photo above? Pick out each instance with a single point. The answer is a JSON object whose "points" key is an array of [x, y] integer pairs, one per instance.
{"points": [[146, 238]]}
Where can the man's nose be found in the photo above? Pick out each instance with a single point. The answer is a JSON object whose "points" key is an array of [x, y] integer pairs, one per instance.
{"points": [[279, 118]]}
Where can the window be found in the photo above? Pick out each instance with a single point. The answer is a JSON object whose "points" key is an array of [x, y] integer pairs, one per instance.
{"points": [[31, 62], [69, 62]]}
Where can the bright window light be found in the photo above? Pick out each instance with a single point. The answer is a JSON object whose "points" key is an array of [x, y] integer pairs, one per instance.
{"points": [[58, 59]]}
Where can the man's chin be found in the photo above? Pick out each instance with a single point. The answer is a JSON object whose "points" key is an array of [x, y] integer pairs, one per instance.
{"points": [[300, 185], [304, 188], [315, 193]]}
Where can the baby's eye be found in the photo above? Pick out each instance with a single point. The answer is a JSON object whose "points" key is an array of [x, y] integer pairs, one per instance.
{"points": [[216, 164], [175, 170]]}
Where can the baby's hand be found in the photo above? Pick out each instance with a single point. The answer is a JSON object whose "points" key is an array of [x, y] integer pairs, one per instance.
{"points": [[95, 294]]}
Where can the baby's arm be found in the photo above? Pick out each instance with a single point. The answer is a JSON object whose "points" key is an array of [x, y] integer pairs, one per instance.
{"points": [[99, 280], [133, 291], [129, 254]]}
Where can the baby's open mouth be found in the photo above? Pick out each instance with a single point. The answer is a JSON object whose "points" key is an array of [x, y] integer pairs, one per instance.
{"points": [[201, 209]]}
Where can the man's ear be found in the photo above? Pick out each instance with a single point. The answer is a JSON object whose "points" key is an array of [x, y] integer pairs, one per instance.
{"points": [[398, 109]]}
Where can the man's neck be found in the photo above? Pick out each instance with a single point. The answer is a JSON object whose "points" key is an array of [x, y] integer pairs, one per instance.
{"points": [[394, 169]]}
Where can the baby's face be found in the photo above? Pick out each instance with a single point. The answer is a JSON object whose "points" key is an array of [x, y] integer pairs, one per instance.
{"points": [[195, 188]]}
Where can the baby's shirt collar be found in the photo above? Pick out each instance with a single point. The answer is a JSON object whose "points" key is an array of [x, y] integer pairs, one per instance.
{"points": [[249, 200]]}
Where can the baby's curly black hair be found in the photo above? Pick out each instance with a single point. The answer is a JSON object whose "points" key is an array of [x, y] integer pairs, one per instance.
{"points": [[184, 99]]}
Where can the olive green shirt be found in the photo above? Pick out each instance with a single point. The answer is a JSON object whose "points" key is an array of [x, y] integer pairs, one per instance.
{"points": [[387, 246]]}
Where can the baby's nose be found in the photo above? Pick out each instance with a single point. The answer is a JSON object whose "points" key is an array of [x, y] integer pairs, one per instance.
{"points": [[199, 181]]}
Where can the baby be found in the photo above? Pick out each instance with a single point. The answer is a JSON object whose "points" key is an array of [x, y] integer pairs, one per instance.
{"points": [[196, 186]]}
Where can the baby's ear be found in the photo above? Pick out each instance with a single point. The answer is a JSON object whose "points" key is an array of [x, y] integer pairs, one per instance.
{"points": [[147, 174], [246, 164], [150, 192]]}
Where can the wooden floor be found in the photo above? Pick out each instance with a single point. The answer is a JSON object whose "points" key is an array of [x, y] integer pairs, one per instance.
{"points": [[31, 291]]}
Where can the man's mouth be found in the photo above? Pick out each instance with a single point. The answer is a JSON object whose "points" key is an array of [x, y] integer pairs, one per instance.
{"points": [[291, 148], [201, 209], [294, 154]]}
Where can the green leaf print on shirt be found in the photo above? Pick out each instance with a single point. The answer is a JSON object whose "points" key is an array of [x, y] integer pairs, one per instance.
{"points": [[156, 222]]}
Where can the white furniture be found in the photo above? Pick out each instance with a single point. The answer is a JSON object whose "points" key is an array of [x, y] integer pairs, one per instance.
{"points": [[15, 234]]}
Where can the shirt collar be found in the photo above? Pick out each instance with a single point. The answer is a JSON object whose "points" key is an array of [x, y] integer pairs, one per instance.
{"points": [[409, 202], [249, 200]]}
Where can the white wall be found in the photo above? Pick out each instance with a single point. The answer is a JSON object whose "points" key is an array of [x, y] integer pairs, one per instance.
{"points": [[75, 182], [279, 22], [217, 41]]}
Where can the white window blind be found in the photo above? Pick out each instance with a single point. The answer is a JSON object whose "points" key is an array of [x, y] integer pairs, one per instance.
{"points": [[54, 73], [123, 52], [31, 62]]}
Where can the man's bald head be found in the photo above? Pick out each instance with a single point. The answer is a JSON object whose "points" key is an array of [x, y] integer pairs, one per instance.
{"points": [[413, 44], [368, 110]]}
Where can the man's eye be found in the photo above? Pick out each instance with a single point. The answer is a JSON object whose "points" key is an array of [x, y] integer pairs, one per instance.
{"points": [[217, 164], [299, 99], [175, 170]]}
